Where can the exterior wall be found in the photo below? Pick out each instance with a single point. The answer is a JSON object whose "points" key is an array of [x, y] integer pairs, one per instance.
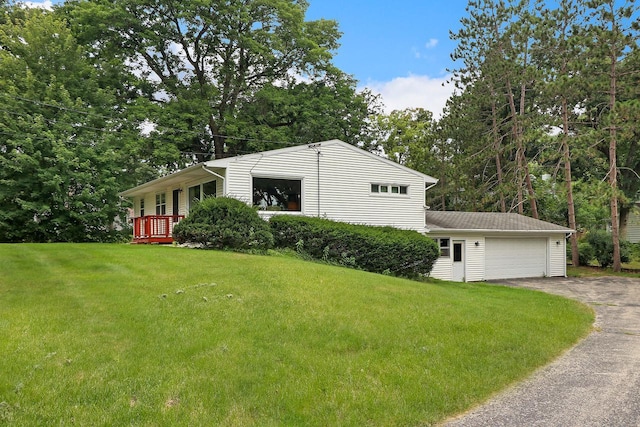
{"points": [[475, 268], [345, 176], [473, 258], [442, 269], [633, 225], [475, 261], [557, 256]]}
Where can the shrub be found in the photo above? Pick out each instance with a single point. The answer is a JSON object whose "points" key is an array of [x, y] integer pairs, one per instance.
{"points": [[585, 253], [602, 244], [384, 250], [224, 223]]}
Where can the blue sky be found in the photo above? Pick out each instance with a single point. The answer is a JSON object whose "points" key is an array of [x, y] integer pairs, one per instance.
{"points": [[398, 49]]}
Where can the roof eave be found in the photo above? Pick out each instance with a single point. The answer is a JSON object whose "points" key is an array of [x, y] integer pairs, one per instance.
{"points": [[492, 230]]}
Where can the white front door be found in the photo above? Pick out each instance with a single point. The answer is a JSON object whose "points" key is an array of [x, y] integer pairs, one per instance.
{"points": [[458, 261]]}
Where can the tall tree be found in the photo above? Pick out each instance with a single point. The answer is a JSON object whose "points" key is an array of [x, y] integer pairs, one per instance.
{"points": [[613, 40], [59, 161], [561, 56], [206, 61], [495, 45]]}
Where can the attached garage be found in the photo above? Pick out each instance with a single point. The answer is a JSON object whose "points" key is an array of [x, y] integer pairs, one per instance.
{"points": [[515, 258], [496, 246]]}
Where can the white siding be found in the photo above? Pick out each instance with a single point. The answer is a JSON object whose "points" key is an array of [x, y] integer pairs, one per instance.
{"points": [[442, 269], [557, 256], [475, 258], [633, 226], [345, 185]]}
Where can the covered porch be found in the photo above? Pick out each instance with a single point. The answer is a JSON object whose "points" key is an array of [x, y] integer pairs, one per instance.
{"points": [[161, 204]]}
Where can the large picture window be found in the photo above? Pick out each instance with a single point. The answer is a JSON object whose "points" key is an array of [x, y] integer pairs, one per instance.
{"points": [[277, 194]]}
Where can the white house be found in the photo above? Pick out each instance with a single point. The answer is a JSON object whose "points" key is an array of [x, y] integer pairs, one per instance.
{"points": [[331, 179], [335, 180]]}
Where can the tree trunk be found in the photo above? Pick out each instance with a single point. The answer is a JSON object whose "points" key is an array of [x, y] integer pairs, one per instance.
{"points": [[613, 167], [496, 147], [575, 256]]}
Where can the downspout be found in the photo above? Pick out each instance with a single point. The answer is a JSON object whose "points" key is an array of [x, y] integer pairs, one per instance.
{"points": [[224, 182], [316, 148]]}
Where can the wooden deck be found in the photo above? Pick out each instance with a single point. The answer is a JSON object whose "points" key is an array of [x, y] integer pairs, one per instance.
{"points": [[154, 228]]}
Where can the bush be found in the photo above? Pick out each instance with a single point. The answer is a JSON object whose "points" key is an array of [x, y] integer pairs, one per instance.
{"points": [[585, 253], [224, 223], [383, 250], [602, 244]]}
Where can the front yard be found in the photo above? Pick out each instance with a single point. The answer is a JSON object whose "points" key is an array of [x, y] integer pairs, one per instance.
{"points": [[147, 335]]}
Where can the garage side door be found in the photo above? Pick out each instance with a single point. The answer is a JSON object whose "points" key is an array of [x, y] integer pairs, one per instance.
{"points": [[515, 258]]}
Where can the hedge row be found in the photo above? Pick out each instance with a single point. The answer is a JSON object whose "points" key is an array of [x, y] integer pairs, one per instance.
{"points": [[383, 250]]}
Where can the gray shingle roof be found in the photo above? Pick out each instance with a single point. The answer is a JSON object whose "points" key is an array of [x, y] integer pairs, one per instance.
{"points": [[438, 220]]}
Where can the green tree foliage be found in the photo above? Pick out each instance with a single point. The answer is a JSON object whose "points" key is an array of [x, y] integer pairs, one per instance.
{"points": [[212, 68], [547, 87], [224, 223], [58, 159]]}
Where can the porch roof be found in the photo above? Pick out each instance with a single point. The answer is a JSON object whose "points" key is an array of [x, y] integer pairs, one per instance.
{"points": [[194, 172]]}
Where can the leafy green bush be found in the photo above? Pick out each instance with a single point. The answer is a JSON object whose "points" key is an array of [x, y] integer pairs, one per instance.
{"points": [[602, 244], [585, 253], [224, 223], [383, 250]]}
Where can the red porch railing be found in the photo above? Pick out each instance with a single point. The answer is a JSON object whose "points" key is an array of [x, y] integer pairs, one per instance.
{"points": [[154, 228]]}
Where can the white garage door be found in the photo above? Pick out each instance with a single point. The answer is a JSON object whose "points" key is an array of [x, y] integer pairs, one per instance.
{"points": [[513, 258]]}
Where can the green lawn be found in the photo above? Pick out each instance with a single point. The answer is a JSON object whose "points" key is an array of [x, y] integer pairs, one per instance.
{"points": [[145, 335]]}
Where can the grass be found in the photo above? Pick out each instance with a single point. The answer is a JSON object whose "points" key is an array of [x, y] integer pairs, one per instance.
{"points": [[145, 335]]}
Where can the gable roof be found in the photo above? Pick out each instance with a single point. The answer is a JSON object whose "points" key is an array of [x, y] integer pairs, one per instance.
{"points": [[488, 221], [200, 168], [223, 163]]}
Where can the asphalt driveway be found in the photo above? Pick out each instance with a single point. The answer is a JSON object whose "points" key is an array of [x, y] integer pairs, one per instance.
{"points": [[596, 383]]}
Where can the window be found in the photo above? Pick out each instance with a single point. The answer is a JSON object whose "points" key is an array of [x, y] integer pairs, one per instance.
{"points": [[444, 247], [161, 204], [277, 194], [200, 191], [141, 207], [389, 189]]}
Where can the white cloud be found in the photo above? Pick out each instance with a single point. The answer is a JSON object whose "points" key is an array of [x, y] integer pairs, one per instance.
{"points": [[431, 43], [413, 92], [47, 4]]}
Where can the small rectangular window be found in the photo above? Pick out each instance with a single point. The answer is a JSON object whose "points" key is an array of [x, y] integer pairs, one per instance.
{"points": [[141, 207], [161, 204], [395, 189], [444, 248], [375, 188], [384, 189], [403, 189]]}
